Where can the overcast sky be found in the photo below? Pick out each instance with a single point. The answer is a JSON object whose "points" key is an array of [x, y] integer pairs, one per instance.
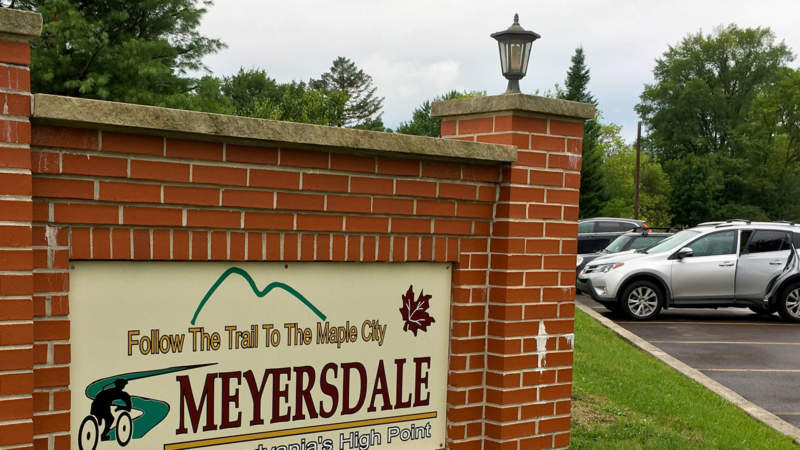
{"points": [[416, 50]]}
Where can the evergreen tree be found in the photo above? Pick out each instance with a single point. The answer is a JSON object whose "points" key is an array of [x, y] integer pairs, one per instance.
{"points": [[363, 106], [593, 194]]}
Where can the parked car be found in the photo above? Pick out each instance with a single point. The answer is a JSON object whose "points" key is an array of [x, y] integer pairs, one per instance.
{"points": [[636, 239], [595, 234], [720, 264]]}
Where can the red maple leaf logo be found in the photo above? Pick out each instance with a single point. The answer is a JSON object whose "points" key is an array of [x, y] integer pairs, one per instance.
{"points": [[415, 313]]}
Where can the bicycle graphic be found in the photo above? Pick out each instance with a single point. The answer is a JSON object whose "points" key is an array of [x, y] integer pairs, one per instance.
{"points": [[122, 425]]}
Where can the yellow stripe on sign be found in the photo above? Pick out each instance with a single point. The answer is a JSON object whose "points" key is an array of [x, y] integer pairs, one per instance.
{"points": [[295, 431]]}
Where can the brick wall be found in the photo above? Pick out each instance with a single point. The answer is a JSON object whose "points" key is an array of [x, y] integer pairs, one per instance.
{"points": [[17, 330], [531, 282], [79, 189], [106, 195]]}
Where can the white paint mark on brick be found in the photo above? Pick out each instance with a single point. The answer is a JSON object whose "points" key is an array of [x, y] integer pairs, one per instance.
{"points": [[541, 344], [570, 339], [51, 235], [573, 161]]}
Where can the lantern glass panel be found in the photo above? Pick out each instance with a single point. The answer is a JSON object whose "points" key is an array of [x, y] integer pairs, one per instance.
{"points": [[515, 62], [503, 57], [526, 57]]}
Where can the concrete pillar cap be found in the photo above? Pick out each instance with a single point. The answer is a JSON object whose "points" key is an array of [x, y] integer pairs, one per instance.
{"points": [[19, 25], [513, 103]]}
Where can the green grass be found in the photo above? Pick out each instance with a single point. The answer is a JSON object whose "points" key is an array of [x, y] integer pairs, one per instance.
{"points": [[626, 399]]}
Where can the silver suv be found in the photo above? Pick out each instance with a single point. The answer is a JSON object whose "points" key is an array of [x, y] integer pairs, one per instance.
{"points": [[716, 264]]}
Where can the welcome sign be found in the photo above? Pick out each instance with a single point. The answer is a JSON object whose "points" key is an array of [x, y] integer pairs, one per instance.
{"points": [[303, 356]]}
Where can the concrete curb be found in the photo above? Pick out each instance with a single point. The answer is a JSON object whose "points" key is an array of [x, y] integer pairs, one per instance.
{"points": [[755, 411]]}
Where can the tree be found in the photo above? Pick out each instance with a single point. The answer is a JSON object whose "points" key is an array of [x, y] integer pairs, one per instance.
{"points": [[298, 102], [775, 124], [207, 96], [696, 186], [362, 106], [702, 112], [422, 124], [128, 51], [704, 88], [619, 164], [593, 195], [250, 88], [575, 87]]}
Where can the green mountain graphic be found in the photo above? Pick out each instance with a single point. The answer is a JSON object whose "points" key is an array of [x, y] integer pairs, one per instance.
{"points": [[259, 293]]}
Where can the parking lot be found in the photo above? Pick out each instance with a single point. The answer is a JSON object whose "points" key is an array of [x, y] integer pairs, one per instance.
{"points": [[756, 356]]}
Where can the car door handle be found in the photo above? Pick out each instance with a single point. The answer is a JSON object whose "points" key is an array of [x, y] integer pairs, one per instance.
{"points": [[726, 264], [776, 263]]}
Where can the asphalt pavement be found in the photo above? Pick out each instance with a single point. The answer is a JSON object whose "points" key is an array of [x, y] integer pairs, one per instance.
{"points": [[755, 355]]}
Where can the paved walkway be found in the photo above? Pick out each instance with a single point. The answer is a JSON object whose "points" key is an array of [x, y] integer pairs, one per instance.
{"points": [[756, 356]]}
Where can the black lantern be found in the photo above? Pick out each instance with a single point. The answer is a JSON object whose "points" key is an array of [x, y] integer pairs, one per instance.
{"points": [[515, 50]]}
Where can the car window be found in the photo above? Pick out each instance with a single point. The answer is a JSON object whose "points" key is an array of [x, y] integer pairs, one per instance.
{"points": [[618, 244], [796, 240], [585, 227], [673, 241], [723, 243], [767, 241], [607, 226], [645, 241]]}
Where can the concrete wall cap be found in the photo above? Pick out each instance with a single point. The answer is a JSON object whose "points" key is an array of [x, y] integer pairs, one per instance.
{"points": [[513, 103], [20, 25], [85, 113]]}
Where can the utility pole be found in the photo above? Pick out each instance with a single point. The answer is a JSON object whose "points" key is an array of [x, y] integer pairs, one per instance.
{"points": [[636, 172]]}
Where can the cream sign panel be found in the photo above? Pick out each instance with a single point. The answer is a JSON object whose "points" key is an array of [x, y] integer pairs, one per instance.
{"points": [[259, 356]]}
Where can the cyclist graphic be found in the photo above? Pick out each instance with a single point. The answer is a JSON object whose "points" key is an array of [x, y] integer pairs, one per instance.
{"points": [[101, 406], [107, 393]]}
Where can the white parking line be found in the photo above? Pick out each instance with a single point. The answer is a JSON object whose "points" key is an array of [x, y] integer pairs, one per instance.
{"points": [[752, 370], [726, 342]]}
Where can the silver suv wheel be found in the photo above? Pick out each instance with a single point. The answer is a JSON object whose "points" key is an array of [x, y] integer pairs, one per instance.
{"points": [[641, 300], [789, 303]]}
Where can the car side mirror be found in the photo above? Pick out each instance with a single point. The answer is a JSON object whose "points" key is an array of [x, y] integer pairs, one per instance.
{"points": [[685, 252]]}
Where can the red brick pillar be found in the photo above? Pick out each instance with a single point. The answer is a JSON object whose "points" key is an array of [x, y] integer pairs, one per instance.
{"points": [[533, 243], [16, 213]]}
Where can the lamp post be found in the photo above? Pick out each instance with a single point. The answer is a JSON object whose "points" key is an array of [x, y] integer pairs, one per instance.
{"points": [[515, 49]]}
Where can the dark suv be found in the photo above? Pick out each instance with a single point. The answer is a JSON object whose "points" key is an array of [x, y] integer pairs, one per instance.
{"points": [[636, 239], [595, 234]]}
